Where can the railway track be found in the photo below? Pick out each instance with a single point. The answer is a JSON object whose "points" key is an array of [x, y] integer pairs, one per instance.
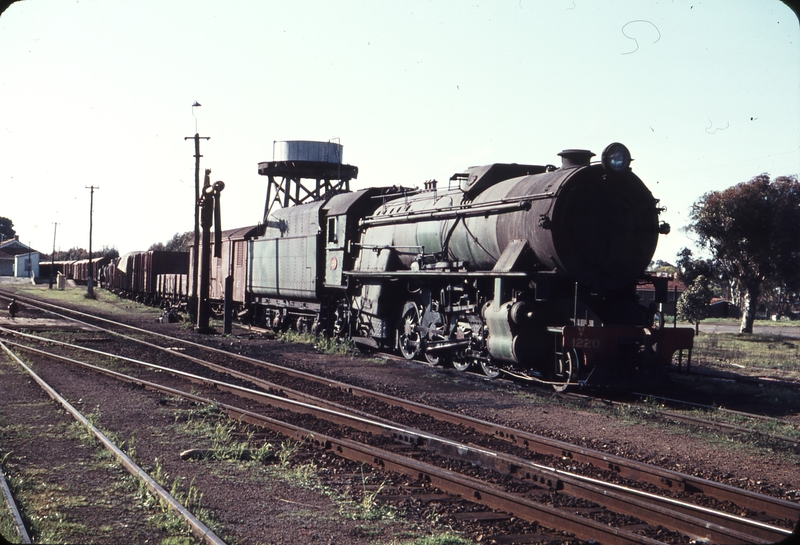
{"points": [[516, 467], [646, 405], [11, 506], [200, 531], [624, 501]]}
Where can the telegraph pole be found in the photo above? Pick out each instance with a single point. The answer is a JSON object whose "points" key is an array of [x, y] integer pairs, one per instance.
{"points": [[90, 292], [197, 156], [53, 255]]}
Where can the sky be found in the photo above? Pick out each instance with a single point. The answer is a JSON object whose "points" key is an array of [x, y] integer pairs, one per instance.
{"points": [[704, 93]]}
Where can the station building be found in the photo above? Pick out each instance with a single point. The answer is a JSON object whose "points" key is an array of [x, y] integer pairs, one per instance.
{"points": [[18, 259]]}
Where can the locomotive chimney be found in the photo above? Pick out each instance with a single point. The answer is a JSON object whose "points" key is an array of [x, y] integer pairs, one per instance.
{"points": [[571, 158]]}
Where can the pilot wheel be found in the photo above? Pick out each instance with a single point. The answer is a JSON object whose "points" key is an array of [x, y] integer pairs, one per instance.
{"points": [[490, 370], [565, 370]]}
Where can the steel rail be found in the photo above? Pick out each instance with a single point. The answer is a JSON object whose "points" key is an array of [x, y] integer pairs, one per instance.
{"points": [[12, 506], [467, 487], [718, 526], [721, 426], [716, 409], [202, 532], [754, 380], [661, 477]]}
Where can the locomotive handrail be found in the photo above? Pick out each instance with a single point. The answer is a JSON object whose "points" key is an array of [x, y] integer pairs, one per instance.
{"points": [[394, 192], [387, 247], [496, 207]]}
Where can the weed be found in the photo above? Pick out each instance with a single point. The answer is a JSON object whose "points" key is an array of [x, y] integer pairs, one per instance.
{"points": [[166, 519], [329, 345], [305, 475], [8, 527], [131, 447], [82, 433], [203, 412], [442, 539], [323, 344], [263, 453], [224, 445], [286, 452], [370, 509], [221, 435], [178, 540]]}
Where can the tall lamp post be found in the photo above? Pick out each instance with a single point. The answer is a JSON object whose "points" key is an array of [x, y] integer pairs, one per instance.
{"points": [[197, 156], [53, 255], [89, 282]]}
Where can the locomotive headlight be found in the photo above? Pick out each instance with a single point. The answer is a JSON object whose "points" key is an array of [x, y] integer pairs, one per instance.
{"points": [[616, 158]]}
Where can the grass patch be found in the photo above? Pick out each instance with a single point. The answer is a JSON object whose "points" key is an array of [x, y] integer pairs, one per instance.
{"points": [[443, 539], [737, 322], [757, 441], [188, 496], [103, 300], [321, 343], [49, 509], [229, 440], [775, 402], [754, 354], [43, 507], [8, 527], [369, 508]]}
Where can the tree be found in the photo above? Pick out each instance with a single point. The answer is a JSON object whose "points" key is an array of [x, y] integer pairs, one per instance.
{"points": [[178, 243], [663, 267], [6, 228], [753, 232], [689, 269], [111, 253], [74, 254], [694, 303]]}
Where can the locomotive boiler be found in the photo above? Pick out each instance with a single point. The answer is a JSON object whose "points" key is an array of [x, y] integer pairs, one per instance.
{"points": [[521, 269]]}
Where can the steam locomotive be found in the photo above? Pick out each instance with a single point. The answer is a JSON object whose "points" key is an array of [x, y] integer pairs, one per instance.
{"points": [[524, 270], [519, 269]]}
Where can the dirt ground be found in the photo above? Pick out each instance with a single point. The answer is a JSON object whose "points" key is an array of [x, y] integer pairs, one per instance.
{"points": [[253, 504]]}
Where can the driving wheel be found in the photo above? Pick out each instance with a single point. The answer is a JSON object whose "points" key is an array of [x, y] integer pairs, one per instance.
{"points": [[408, 338]]}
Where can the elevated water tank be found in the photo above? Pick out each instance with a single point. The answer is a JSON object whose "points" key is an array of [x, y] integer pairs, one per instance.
{"points": [[306, 150]]}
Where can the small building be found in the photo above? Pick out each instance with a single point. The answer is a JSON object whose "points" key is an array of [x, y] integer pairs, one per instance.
{"points": [[18, 259], [647, 294], [721, 308]]}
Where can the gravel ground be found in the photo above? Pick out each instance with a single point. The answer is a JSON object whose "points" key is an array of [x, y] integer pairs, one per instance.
{"points": [[258, 503], [248, 502]]}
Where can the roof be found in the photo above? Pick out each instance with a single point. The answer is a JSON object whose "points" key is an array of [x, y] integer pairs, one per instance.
{"points": [[10, 248], [672, 285], [240, 233]]}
